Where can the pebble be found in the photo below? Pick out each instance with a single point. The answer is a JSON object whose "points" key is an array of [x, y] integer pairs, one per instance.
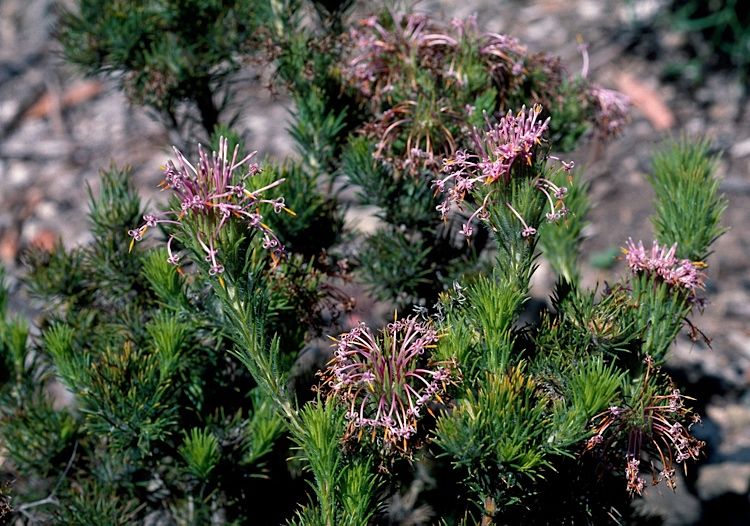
{"points": [[17, 173], [363, 219], [716, 480], [590, 9], [674, 508], [740, 149]]}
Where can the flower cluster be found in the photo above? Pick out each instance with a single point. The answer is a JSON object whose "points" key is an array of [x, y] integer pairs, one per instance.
{"points": [[662, 262], [377, 49], [385, 380], [211, 194], [508, 50], [657, 426], [610, 107], [511, 142], [423, 123], [420, 80], [611, 110], [379, 53]]}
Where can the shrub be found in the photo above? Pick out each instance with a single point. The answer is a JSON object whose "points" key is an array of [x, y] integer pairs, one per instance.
{"points": [[182, 343]]}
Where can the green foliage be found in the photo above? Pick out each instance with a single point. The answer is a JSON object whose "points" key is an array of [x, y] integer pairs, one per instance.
{"points": [[314, 211], [500, 433], [593, 385], [138, 347], [570, 116], [389, 272], [166, 53], [717, 30], [36, 436], [588, 324], [316, 130], [262, 430], [92, 503], [560, 244], [182, 404], [494, 306], [688, 205], [200, 450], [164, 280], [344, 488], [659, 314], [402, 200]]}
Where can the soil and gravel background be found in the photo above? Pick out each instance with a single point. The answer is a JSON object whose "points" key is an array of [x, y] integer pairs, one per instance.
{"points": [[58, 129]]}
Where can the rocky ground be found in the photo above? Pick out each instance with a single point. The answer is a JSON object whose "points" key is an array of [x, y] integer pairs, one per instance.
{"points": [[57, 129]]}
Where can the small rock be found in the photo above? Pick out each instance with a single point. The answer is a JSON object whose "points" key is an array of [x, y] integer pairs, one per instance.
{"points": [[674, 508], [700, 364], [673, 39], [741, 341], [733, 420], [18, 173], [722, 111], [716, 480], [158, 518], [695, 126], [590, 10], [546, 30], [46, 210], [639, 10], [363, 219], [740, 149]]}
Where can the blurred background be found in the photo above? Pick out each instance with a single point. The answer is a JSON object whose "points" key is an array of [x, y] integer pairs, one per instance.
{"points": [[683, 63]]}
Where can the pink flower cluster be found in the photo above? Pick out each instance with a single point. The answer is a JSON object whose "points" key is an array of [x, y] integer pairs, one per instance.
{"points": [[376, 48], [662, 262], [379, 52], [511, 142], [384, 380], [633, 479], [657, 427], [611, 110], [611, 107], [213, 193]]}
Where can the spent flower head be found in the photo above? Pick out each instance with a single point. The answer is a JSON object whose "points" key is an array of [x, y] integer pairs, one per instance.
{"points": [[213, 194], [387, 381], [379, 47], [657, 424]]}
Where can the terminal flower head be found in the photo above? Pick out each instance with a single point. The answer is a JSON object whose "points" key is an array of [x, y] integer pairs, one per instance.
{"points": [[214, 193], [386, 380], [662, 262], [512, 143], [611, 110], [657, 426], [379, 46]]}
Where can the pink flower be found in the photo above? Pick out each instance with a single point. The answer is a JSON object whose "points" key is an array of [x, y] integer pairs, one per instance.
{"points": [[611, 110], [662, 263], [635, 256], [511, 142], [653, 426], [385, 380], [213, 194]]}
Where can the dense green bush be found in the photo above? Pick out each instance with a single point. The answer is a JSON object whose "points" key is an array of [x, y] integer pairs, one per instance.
{"points": [[184, 334]]}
